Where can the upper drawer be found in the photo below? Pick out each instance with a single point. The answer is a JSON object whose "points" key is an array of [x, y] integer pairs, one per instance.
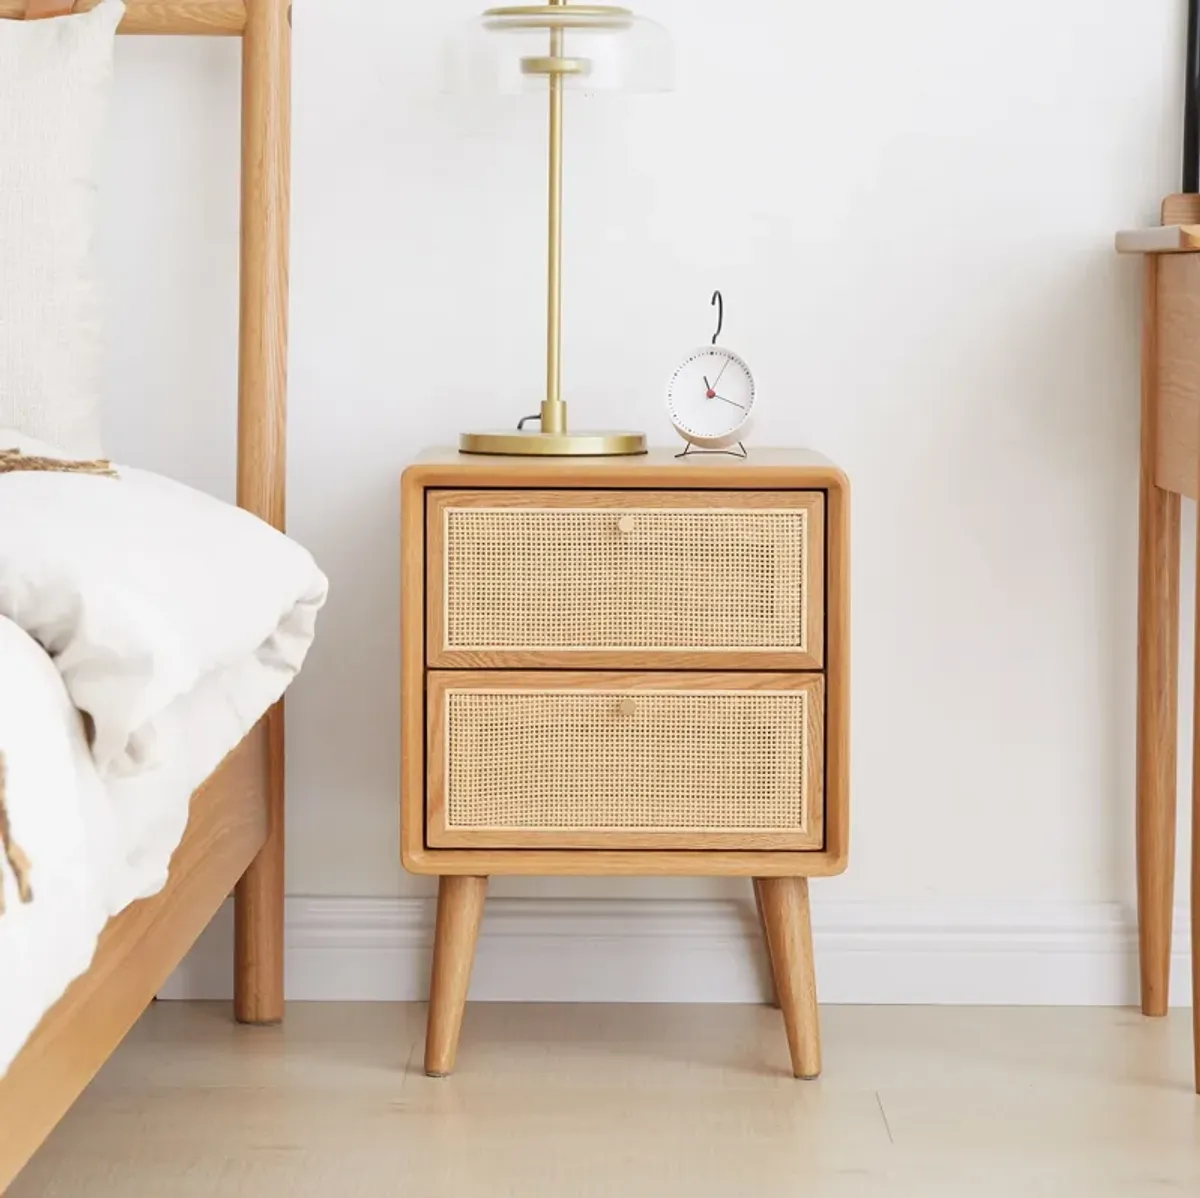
{"points": [[648, 579]]}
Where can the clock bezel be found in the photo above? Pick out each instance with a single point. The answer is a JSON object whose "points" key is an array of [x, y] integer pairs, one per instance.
{"points": [[741, 429]]}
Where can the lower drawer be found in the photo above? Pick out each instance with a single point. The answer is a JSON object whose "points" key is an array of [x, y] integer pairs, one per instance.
{"points": [[585, 760]]}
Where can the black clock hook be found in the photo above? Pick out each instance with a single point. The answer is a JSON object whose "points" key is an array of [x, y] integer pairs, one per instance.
{"points": [[718, 302]]}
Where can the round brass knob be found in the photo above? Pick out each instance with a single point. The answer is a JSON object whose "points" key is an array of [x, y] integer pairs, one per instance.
{"points": [[628, 706], [626, 524]]}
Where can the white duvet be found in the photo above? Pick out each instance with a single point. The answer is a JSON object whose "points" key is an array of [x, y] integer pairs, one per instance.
{"points": [[56, 807], [144, 629]]}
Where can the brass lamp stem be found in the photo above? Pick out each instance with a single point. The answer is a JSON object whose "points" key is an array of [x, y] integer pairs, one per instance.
{"points": [[554, 412], [553, 438]]}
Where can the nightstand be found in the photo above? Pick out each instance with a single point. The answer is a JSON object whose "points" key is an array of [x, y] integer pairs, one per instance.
{"points": [[619, 667]]}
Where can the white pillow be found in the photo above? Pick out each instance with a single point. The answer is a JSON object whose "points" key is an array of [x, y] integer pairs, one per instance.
{"points": [[55, 77]]}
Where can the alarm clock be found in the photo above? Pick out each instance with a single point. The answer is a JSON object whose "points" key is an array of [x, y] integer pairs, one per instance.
{"points": [[710, 396]]}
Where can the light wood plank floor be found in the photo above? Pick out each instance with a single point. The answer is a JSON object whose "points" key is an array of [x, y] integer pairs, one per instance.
{"points": [[621, 1102]]}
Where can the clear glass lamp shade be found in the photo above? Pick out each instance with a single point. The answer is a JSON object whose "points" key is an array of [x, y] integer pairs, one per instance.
{"points": [[593, 48]]}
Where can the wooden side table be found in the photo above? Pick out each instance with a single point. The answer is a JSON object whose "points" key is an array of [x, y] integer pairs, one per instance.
{"points": [[625, 666], [1170, 467]]}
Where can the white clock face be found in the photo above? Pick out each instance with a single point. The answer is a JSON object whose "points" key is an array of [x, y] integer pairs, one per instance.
{"points": [[710, 397]]}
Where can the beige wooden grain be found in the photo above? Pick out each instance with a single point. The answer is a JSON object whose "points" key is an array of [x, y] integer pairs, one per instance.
{"points": [[1181, 209], [1170, 467], [459, 913], [412, 668], [837, 680], [220, 17], [789, 930], [586, 1100], [763, 470], [1195, 916], [1178, 416], [439, 833], [263, 285], [810, 657], [1176, 277], [259, 900], [598, 863], [1195, 880], [262, 441], [40, 10], [137, 951], [1158, 663]]}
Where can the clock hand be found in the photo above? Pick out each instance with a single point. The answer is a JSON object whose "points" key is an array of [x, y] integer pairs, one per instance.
{"points": [[729, 401], [723, 369], [709, 393]]}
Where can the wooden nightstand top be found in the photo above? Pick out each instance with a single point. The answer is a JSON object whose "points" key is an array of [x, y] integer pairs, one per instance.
{"points": [[764, 468]]}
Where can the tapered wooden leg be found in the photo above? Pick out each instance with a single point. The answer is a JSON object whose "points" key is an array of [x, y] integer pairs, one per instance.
{"points": [[774, 1001], [459, 912], [789, 930], [1196, 857], [258, 903], [1158, 652], [1196, 927]]}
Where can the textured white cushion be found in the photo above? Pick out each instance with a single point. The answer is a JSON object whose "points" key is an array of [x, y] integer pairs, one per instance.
{"points": [[55, 77]]}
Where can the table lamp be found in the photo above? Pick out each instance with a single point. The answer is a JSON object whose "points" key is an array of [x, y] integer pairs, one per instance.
{"points": [[560, 46]]}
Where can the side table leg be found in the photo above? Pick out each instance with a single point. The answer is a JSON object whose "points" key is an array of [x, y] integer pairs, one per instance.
{"points": [[1196, 926], [1157, 680], [789, 930], [459, 912], [1196, 869]]}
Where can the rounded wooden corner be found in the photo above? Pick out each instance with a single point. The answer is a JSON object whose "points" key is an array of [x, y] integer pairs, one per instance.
{"points": [[838, 480], [416, 861], [412, 481], [835, 863]]}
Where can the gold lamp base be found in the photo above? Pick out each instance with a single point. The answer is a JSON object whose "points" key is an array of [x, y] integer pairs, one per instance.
{"points": [[557, 445], [553, 438]]}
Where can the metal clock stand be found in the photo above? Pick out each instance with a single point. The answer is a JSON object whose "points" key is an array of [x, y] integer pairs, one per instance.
{"points": [[690, 451]]}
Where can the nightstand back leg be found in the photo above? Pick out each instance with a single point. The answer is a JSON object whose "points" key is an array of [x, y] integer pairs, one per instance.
{"points": [[762, 919], [789, 932], [459, 913]]}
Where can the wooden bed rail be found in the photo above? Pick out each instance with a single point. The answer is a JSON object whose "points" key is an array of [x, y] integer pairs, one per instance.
{"points": [[213, 17]]}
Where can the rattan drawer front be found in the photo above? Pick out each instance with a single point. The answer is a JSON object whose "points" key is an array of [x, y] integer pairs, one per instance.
{"points": [[625, 761], [636, 579]]}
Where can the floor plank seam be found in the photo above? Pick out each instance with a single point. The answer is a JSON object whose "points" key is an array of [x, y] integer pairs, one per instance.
{"points": [[883, 1114]]}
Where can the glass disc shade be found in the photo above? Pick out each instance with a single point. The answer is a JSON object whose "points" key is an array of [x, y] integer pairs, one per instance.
{"points": [[605, 47]]}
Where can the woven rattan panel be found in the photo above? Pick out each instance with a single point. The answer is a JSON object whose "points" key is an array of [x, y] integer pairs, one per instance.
{"points": [[701, 761], [522, 578]]}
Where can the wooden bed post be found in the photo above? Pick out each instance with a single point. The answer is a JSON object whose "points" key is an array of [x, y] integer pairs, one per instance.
{"points": [[262, 448], [235, 825]]}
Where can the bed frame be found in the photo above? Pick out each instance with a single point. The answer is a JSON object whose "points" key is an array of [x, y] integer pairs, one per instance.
{"points": [[234, 836]]}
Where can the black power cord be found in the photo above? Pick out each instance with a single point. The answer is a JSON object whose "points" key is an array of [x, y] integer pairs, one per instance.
{"points": [[1191, 110]]}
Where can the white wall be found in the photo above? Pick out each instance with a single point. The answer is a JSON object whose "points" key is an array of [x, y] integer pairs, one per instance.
{"points": [[909, 207]]}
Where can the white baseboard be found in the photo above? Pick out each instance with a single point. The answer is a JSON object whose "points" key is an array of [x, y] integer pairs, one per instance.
{"points": [[632, 950]]}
